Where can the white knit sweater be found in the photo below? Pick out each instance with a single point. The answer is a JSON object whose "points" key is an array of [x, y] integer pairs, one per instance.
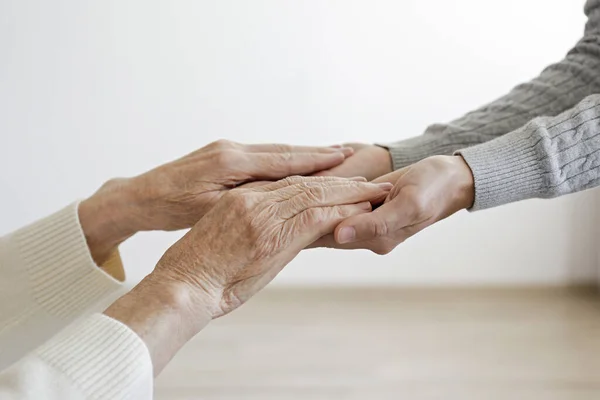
{"points": [[53, 342]]}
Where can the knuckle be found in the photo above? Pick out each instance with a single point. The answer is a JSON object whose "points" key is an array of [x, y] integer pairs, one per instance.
{"points": [[226, 158], [319, 216], [282, 148], [282, 162], [315, 220], [281, 158], [359, 186], [378, 227], [292, 180], [308, 218], [315, 193], [302, 185], [222, 144]]}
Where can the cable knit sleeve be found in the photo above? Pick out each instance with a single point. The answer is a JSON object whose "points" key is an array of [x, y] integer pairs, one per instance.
{"points": [[548, 157], [47, 280], [558, 88]]}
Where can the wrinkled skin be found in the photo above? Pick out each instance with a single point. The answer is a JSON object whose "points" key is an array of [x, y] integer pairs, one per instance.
{"points": [[251, 234], [423, 194], [177, 194]]}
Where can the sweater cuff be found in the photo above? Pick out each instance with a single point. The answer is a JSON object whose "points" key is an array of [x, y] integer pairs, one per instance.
{"points": [[505, 170], [103, 358], [409, 151], [63, 277]]}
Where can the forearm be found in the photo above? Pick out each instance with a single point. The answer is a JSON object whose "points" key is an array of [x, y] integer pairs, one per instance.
{"points": [[109, 217], [164, 315], [60, 267], [548, 157], [47, 280], [558, 88], [114, 355]]}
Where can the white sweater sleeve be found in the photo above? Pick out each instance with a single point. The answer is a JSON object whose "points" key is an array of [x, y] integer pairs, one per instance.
{"points": [[47, 280], [98, 358]]}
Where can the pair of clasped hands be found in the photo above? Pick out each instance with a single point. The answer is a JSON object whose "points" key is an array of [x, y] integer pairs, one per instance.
{"points": [[253, 208]]}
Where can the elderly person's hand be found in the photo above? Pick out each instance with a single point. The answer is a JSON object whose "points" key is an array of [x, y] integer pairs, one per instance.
{"points": [[423, 194], [234, 251], [176, 195]]}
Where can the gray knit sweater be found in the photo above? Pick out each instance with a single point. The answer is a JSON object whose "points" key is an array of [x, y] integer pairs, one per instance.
{"points": [[540, 140]]}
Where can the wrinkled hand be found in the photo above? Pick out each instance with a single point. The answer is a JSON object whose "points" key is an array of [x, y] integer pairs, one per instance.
{"points": [[423, 194], [368, 160], [251, 234], [177, 194]]}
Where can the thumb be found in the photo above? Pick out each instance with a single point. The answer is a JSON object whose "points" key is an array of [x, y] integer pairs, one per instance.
{"points": [[384, 221]]}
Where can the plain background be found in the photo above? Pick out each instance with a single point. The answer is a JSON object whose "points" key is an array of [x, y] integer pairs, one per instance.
{"points": [[92, 90]]}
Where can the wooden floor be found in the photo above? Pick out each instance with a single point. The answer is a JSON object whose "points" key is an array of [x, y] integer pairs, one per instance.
{"points": [[396, 344]]}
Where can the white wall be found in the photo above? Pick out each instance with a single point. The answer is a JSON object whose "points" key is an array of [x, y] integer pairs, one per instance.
{"points": [[91, 90]]}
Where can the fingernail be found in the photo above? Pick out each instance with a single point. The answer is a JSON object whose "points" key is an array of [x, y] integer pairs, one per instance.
{"points": [[346, 235], [385, 185], [336, 146], [348, 151], [358, 178], [365, 206]]}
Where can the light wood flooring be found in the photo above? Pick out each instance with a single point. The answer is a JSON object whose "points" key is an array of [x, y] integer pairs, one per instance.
{"points": [[289, 344]]}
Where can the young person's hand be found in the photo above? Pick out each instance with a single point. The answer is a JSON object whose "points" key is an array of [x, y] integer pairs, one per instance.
{"points": [[369, 160], [177, 194], [423, 194]]}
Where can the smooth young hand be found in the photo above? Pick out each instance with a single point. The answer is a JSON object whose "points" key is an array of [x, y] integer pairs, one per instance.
{"points": [[423, 194], [368, 160]]}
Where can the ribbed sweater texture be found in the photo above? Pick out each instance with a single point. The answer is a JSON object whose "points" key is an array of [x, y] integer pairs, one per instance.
{"points": [[540, 140]]}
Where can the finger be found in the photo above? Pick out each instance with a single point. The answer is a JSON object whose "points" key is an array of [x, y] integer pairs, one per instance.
{"points": [[327, 241], [384, 221], [297, 198], [269, 166], [392, 177], [286, 148], [379, 246], [294, 180], [314, 223]]}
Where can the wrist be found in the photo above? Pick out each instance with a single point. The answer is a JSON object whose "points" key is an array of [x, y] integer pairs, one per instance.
{"points": [[185, 297], [464, 183], [163, 313], [385, 160], [108, 218]]}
